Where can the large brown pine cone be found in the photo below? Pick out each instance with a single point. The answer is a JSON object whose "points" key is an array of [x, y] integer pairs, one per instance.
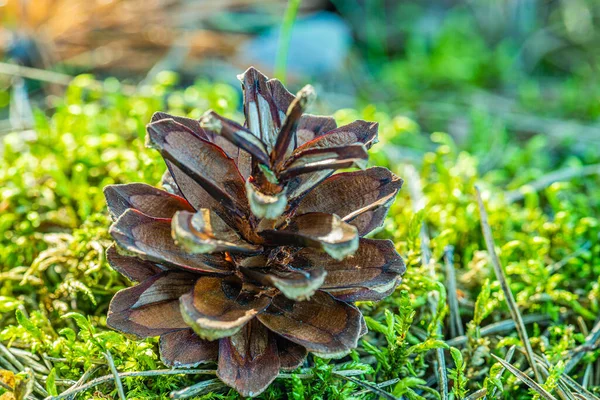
{"points": [[255, 253]]}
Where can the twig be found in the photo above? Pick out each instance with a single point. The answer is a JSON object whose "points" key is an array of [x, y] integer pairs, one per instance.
{"points": [[565, 174], [113, 369], [418, 201], [525, 379], [456, 327], [35, 74], [43, 75], [510, 300]]}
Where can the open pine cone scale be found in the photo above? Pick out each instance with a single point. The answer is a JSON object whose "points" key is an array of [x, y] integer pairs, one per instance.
{"points": [[254, 253]]}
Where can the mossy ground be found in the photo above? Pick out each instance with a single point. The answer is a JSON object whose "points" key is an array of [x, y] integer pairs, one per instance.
{"points": [[55, 284]]}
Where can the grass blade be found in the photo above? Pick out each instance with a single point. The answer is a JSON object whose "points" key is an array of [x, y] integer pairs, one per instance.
{"points": [[285, 37], [456, 327], [499, 327], [510, 300], [115, 373], [565, 381], [555, 176], [525, 379], [576, 355]]}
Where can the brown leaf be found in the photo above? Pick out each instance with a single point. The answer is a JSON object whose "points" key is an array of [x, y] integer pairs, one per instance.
{"points": [[294, 283], [150, 308], [281, 99], [133, 268], [329, 158], [297, 284], [287, 133], [205, 232], [204, 162], [150, 239], [323, 231], [263, 116], [144, 198], [248, 360], [372, 273], [191, 190], [357, 132], [323, 325], [200, 198], [291, 355], [192, 124], [184, 349], [236, 134], [313, 126], [217, 308], [361, 198]]}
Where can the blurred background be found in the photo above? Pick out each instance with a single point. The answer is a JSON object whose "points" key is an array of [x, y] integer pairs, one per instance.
{"points": [[482, 70]]}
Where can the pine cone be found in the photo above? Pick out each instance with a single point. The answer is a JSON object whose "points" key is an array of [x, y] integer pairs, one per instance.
{"points": [[255, 253]]}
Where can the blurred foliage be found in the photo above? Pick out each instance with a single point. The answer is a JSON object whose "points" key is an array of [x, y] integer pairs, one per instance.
{"points": [[541, 55], [513, 121]]}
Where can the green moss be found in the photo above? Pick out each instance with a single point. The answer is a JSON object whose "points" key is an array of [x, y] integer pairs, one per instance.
{"points": [[55, 284]]}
